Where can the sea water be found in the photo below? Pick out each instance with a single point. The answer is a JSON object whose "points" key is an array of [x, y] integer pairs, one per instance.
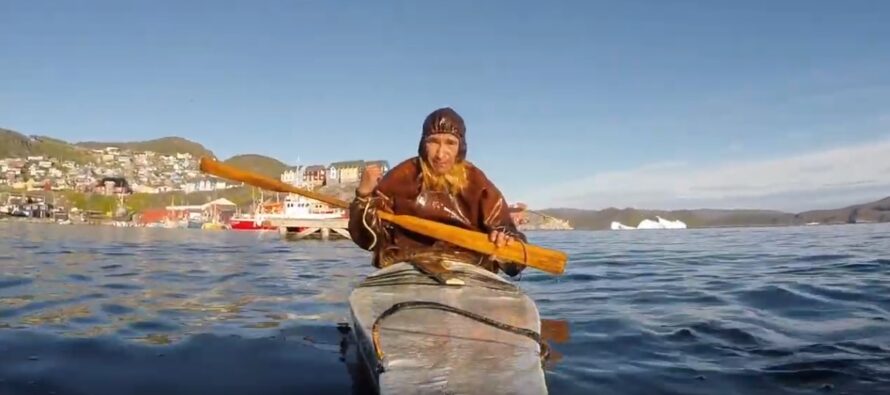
{"points": [[103, 310]]}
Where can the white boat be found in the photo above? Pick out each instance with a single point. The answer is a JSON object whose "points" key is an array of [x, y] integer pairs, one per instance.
{"points": [[293, 207], [299, 207], [429, 337]]}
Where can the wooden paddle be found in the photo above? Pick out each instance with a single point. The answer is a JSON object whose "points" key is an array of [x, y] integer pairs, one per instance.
{"points": [[550, 261]]}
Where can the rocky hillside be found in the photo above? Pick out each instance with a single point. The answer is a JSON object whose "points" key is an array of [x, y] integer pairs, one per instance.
{"points": [[535, 220], [878, 211], [601, 219]]}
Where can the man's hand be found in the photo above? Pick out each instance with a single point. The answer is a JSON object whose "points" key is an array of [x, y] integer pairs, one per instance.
{"points": [[370, 178], [499, 238]]}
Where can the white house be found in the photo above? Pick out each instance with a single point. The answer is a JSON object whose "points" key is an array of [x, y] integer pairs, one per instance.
{"points": [[293, 175], [333, 176], [205, 185]]}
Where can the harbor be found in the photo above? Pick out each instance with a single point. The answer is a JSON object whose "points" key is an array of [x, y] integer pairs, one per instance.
{"points": [[290, 215], [295, 217]]}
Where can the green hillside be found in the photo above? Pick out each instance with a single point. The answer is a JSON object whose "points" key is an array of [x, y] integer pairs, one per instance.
{"points": [[14, 144], [164, 145], [259, 164]]}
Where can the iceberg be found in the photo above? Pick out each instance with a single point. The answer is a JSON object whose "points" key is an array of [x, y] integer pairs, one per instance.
{"points": [[619, 226], [668, 224], [658, 223], [650, 224]]}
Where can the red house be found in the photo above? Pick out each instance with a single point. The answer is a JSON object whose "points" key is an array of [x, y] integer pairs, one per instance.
{"points": [[314, 175]]}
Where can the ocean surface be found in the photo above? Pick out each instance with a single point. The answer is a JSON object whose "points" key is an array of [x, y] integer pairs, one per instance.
{"points": [[102, 310]]}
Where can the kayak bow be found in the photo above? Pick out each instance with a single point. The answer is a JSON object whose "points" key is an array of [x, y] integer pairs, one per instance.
{"points": [[416, 335]]}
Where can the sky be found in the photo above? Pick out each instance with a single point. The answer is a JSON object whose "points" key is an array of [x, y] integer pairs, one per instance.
{"points": [[585, 104]]}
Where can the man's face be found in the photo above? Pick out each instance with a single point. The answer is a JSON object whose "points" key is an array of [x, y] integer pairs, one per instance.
{"points": [[441, 152]]}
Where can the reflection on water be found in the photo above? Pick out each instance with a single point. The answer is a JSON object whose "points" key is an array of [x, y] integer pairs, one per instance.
{"points": [[98, 310]]}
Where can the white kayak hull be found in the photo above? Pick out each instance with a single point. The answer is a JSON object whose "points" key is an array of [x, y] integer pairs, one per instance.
{"points": [[431, 351]]}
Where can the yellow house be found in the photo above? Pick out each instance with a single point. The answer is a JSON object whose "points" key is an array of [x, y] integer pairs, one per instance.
{"points": [[29, 185], [349, 171]]}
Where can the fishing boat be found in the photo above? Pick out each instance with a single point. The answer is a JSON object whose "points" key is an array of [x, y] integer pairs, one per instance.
{"points": [[293, 207], [475, 334]]}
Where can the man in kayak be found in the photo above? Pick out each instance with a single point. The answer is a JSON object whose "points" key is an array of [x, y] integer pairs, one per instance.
{"points": [[439, 185]]}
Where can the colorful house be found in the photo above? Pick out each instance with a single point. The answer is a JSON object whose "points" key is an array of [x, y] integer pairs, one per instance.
{"points": [[384, 165], [314, 176], [294, 175], [349, 171]]}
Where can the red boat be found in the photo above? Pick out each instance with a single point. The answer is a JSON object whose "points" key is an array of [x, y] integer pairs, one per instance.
{"points": [[255, 220], [248, 222]]}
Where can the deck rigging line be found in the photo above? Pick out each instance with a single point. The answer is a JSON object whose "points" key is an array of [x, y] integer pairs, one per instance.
{"points": [[411, 278]]}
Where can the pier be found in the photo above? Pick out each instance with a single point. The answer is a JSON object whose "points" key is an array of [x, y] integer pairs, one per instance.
{"points": [[324, 229]]}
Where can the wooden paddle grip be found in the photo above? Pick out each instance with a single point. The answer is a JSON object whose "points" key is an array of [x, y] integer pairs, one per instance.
{"points": [[548, 260]]}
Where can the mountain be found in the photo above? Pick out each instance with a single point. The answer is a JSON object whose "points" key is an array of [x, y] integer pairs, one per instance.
{"points": [[258, 163], [14, 144], [164, 145], [878, 211]]}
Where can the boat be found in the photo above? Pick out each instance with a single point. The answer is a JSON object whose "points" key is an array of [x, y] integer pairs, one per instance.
{"points": [[248, 222], [213, 226], [475, 334], [293, 207]]}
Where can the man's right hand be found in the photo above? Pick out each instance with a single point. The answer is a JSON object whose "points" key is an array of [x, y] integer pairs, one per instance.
{"points": [[370, 178]]}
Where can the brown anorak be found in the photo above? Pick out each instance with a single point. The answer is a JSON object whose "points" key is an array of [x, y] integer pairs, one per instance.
{"points": [[479, 206]]}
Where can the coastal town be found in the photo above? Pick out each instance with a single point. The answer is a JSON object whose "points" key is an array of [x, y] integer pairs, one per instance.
{"points": [[143, 171], [31, 182]]}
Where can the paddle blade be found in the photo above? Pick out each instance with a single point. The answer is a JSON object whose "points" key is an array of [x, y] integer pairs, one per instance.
{"points": [[555, 330], [550, 261]]}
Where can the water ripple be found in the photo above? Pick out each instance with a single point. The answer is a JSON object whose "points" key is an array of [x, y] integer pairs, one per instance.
{"points": [[735, 311]]}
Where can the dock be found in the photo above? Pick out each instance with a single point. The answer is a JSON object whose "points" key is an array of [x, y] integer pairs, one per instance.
{"points": [[324, 229]]}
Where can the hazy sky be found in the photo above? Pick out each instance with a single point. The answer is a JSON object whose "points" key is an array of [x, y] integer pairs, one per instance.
{"points": [[590, 104]]}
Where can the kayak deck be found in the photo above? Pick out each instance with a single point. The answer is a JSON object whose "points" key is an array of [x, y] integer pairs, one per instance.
{"points": [[429, 350]]}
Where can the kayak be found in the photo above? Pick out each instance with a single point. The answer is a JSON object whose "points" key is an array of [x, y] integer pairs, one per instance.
{"points": [[477, 334]]}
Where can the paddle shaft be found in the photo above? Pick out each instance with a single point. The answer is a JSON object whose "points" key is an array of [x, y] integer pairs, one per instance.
{"points": [[544, 259]]}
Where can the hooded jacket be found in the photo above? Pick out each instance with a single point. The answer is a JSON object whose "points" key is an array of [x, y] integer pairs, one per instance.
{"points": [[479, 206]]}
